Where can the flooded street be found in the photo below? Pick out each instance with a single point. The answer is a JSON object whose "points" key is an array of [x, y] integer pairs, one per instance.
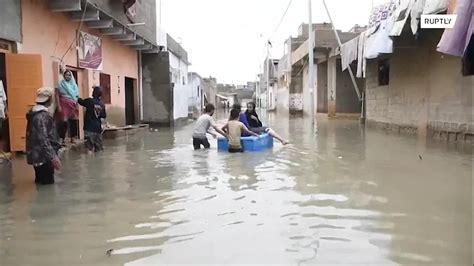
{"points": [[339, 196]]}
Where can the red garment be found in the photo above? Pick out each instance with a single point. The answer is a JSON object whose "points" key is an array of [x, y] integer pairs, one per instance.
{"points": [[69, 108]]}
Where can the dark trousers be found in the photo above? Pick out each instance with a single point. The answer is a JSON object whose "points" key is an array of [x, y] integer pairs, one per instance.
{"points": [[72, 125], [44, 174], [93, 141], [235, 149], [197, 142]]}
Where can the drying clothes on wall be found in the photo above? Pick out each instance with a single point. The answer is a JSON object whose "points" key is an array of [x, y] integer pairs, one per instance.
{"points": [[349, 52], [415, 14], [361, 61], [380, 25], [435, 6], [455, 41], [420, 7], [404, 8]]}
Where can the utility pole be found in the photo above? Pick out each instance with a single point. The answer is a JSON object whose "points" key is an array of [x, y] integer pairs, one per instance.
{"points": [[268, 75], [311, 62]]}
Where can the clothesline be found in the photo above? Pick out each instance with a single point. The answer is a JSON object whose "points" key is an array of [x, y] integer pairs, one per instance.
{"points": [[388, 20]]}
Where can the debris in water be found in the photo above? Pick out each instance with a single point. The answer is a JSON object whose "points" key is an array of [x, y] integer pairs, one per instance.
{"points": [[109, 252], [419, 156], [340, 157]]}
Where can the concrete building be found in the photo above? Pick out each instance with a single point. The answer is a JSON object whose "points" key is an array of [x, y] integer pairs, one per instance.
{"points": [[179, 79], [334, 88], [285, 101], [270, 66], [417, 89], [165, 89], [195, 95], [209, 86], [36, 37]]}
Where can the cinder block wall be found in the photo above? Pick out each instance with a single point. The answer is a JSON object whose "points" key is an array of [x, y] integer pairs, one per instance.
{"points": [[157, 91], [426, 91]]}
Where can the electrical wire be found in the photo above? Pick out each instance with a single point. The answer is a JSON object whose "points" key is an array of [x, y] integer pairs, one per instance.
{"points": [[77, 32], [302, 68], [282, 18]]}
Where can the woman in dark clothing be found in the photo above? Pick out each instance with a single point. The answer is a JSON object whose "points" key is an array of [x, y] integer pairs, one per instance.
{"points": [[255, 125], [95, 112]]}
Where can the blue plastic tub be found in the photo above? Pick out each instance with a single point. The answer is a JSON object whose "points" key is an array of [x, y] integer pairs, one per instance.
{"points": [[248, 143]]}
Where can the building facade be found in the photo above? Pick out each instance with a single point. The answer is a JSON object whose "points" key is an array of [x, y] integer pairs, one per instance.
{"points": [[43, 35], [421, 90], [195, 95]]}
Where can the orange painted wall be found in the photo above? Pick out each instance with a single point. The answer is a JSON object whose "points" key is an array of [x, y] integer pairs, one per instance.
{"points": [[50, 34]]}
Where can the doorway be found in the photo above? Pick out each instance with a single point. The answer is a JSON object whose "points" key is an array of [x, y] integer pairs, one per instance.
{"points": [[4, 140], [130, 101], [105, 84]]}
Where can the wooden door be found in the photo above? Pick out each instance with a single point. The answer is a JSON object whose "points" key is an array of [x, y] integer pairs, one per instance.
{"points": [[106, 91], [24, 78], [129, 101]]}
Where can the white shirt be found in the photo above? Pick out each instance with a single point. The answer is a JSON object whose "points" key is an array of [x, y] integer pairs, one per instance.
{"points": [[202, 125], [3, 100]]}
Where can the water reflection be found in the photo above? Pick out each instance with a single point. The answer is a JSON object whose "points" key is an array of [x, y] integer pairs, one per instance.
{"points": [[337, 195]]}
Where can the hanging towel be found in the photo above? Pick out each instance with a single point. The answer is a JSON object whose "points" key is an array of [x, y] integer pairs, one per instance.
{"points": [[401, 16], [455, 41], [349, 52], [380, 24], [361, 61], [415, 14], [435, 6]]}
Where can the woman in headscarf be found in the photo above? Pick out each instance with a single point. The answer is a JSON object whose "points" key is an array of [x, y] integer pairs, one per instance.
{"points": [[68, 107], [255, 125]]}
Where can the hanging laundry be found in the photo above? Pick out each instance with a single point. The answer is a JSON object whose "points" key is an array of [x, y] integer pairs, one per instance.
{"points": [[455, 41], [361, 61], [380, 25], [435, 6], [416, 11], [349, 52], [401, 15]]}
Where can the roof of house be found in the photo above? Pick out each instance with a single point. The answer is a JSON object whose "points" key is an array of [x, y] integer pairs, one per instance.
{"points": [[177, 49]]}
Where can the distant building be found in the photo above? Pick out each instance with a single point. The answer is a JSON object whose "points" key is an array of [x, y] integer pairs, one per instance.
{"points": [[195, 95], [209, 86]]}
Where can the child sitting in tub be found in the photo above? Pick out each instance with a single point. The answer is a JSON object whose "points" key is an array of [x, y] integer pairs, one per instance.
{"points": [[234, 129]]}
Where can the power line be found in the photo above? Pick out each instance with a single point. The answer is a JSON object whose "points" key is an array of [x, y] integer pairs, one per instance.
{"points": [[77, 33], [282, 18]]}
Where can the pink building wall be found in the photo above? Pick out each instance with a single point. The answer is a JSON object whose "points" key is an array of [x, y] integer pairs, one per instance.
{"points": [[50, 34]]}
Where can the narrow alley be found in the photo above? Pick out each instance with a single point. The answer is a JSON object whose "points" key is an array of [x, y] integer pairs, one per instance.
{"points": [[340, 195]]}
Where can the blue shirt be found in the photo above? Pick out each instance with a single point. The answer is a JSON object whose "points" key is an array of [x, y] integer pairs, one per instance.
{"points": [[243, 119]]}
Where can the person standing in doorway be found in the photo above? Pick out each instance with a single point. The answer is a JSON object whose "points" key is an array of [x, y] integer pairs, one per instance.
{"points": [[42, 144], [3, 107], [95, 112], [68, 107], [202, 126], [3, 118]]}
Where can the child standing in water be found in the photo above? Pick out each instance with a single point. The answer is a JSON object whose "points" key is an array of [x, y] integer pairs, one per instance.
{"points": [[95, 112], [202, 126], [234, 129]]}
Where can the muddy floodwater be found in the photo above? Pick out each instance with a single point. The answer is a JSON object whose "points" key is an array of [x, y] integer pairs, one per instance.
{"points": [[339, 195]]}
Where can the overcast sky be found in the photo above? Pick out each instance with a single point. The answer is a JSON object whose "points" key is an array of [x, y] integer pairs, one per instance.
{"points": [[226, 38]]}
